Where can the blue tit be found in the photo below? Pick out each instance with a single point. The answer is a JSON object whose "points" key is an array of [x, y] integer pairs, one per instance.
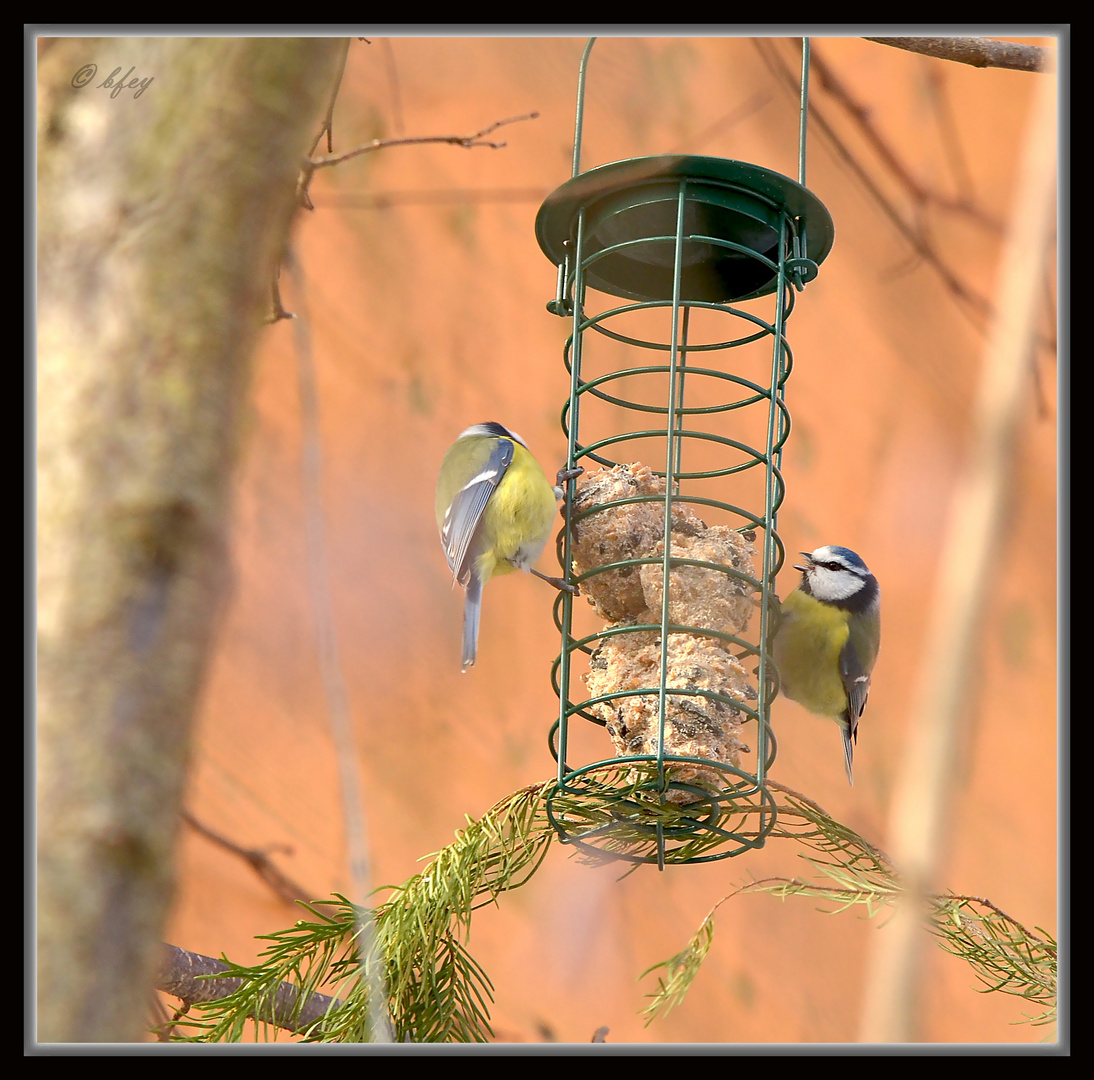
{"points": [[828, 637], [495, 510]]}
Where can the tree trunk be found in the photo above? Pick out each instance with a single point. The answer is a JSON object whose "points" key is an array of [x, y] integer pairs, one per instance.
{"points": [[162, 213]]}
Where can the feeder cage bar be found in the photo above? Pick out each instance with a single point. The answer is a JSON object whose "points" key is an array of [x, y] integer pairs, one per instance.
{"points": [[679, 662]]}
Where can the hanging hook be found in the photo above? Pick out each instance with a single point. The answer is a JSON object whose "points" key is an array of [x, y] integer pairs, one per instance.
{"points": [[804, 111], [802, 268], [580, 104], [561, 305]]}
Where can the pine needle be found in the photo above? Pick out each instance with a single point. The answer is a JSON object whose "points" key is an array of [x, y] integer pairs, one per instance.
{"points": [[1004, 955]]}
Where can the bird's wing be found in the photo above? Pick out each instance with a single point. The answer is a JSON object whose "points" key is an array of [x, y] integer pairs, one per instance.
{"points": [[854, 668], [464, 513]]}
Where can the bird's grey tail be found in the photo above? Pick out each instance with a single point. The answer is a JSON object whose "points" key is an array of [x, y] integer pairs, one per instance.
{"points": [[472, 605], [848, 753]]}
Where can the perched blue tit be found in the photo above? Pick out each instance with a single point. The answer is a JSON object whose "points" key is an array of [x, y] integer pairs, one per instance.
{"points": [[495, 511], [828, 637]]}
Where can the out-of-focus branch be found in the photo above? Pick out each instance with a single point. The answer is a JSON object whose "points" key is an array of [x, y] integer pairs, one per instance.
{"points": [[939, 709], [970, 300], [977, 51], [961, 290], [257, 858], [335, 690], [860, 113], [742, 111]]}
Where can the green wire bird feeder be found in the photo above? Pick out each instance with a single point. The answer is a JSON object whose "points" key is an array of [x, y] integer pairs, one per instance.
{"points": [[676, 413]]}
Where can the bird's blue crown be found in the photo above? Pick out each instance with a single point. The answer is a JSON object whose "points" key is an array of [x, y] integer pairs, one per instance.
{"points": [[849, 555], [493, 429]]}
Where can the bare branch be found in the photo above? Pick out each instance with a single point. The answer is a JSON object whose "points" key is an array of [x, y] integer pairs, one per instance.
{"points": [[327, 129], [385, 200], [948, 130], [163, 1023], [466, 141], [183, 974], [977, 51]]}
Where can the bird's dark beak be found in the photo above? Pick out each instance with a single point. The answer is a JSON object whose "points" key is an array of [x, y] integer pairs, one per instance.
{"points": [[809, 557]]}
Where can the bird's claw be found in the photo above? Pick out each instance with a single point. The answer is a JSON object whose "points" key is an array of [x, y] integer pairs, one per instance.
{"points": [[558, 583], [565, 474]]}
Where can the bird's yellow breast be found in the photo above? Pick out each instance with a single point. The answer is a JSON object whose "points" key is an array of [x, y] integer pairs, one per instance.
{"points": [[518, 519], [807, 649]]}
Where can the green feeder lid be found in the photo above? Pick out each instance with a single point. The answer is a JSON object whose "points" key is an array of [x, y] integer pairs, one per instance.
{"points": [[628, 201]]}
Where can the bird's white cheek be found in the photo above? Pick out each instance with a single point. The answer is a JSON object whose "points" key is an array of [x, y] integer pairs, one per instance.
{"points": [[828, 586]]}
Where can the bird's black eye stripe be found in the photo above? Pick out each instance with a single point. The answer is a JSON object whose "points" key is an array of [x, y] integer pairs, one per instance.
{"points": [[838, 567]]}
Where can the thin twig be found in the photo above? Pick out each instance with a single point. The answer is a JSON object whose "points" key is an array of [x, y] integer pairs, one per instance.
{"points": [[468, 142], [277, 309], [259, 859], [976, 51], [998, 911], [163, 1024], [303, 182], [326, 128], [385, 200]]}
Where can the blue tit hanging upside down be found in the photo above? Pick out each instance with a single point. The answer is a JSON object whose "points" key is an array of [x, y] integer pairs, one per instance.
{"points": [[828, 637], [495, 512]]}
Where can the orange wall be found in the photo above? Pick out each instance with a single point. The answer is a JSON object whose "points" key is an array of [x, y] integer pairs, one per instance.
{"points": [[427, 316]]}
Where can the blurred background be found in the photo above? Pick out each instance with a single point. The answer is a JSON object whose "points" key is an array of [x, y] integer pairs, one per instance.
{"points": [[425, 299]]}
